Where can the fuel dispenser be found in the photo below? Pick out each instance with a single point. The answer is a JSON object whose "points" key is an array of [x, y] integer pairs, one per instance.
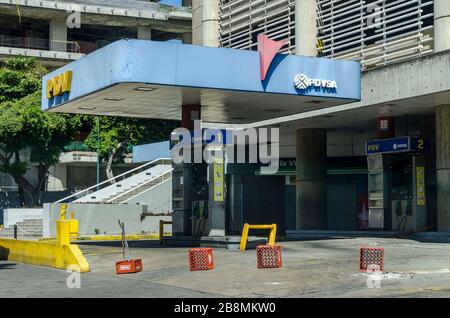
{"points": [[199, 194], [397, 189]]}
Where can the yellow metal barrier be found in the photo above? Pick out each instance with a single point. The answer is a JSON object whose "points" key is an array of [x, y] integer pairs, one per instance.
{"points": [[247, 227], [161, 229]]}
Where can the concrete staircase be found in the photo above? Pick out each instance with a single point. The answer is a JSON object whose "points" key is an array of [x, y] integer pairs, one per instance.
{"points": [[147, 185], [129, 186], [28, 229]]}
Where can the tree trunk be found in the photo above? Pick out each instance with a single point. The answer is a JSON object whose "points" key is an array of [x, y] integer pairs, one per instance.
{"points": [[25, 187], [34, 192], [109, 163], [109, 172]]}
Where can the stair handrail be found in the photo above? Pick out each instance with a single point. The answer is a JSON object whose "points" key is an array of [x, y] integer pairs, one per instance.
{"points": [[140, 185], [114, 178]]}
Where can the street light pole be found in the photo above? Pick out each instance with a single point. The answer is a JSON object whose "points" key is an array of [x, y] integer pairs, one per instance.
{"points": [[98, 151]]}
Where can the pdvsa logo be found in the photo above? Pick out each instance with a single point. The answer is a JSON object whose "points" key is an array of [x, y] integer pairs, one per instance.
{"points": [[303, 82], [400, 146]]}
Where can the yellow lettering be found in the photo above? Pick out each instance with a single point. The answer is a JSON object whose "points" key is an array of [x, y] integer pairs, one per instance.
{"points": [[374, 147], [67, 81], [49, 88], [421, 143], [59, 85]]}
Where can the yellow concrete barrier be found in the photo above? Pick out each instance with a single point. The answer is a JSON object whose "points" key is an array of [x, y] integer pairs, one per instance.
{"points": [[247, 227], [60, 254], [43, 254], [105, 238]]}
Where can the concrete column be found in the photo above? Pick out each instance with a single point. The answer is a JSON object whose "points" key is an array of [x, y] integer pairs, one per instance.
{"points": [[311, 190], [189, 114], [305, 28], [144, 32], [441, 25], [443, 166], [58, 35], [210, 23]]}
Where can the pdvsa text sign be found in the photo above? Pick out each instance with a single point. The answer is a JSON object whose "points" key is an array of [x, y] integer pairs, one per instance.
{"points": [[398, 145]]}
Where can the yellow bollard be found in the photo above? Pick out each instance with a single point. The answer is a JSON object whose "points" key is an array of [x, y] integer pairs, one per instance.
{"points": [[273, 235], [63, 232], [247, 227], [161, 230], [62, 211], [73, 226]]}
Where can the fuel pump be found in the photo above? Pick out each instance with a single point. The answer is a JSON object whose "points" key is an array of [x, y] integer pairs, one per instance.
{"points": [[200, 197], [397, 184]]}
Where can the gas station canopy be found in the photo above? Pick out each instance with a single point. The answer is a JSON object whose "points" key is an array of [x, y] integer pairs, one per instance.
{"points": [[147, 79]]}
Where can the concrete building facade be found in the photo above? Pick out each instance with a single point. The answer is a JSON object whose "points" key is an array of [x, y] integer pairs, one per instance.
{"points": [[397, 44], [375, 160]]}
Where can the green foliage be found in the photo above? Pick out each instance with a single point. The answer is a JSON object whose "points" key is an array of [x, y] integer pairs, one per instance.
{"points": [[19, 77], [117, 135], [23, 126]]}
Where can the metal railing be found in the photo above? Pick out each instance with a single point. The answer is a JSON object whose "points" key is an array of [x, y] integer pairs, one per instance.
{"points": [[111, 181], [376, 33], [39, 44], [242, 20]]}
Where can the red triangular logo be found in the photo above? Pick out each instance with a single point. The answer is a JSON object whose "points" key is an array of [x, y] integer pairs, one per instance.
{"points": [[268, 49]]}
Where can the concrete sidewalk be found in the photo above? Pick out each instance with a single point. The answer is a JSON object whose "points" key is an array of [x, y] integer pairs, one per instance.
{"points": [[321, 268]]}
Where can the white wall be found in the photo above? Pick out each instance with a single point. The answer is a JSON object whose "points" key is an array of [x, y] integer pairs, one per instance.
{"points": [[103, 217]]}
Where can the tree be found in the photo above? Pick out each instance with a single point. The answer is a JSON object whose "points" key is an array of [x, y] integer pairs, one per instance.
{"points": [[118, 134], [29, 137]]}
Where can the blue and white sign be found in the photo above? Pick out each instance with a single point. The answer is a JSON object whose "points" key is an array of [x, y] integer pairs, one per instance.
{"points": [[192, 66], [398, 145]]}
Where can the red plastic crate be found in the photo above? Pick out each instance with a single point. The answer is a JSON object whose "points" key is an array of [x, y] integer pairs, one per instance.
{"points": [[201, 259], [269, 256], [371, 259], [129, 267]]}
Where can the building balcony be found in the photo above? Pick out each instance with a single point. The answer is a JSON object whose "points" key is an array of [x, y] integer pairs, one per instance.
{"points": [[58, 52]]}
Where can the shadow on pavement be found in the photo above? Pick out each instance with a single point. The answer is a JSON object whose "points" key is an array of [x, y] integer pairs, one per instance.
{"points": [[132, 244], [7, 266]]}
